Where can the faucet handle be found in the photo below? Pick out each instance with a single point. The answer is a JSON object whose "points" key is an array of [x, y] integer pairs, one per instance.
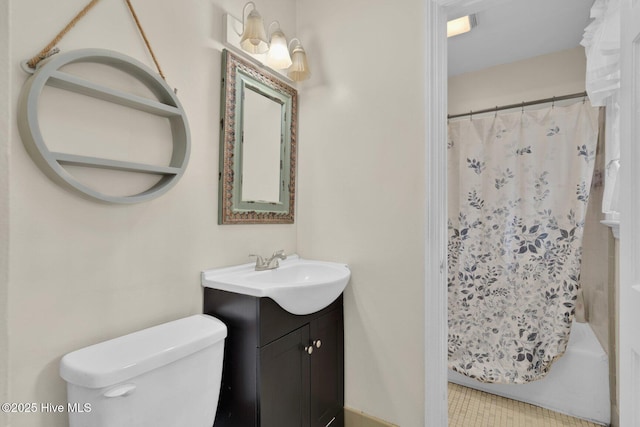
{"points": [[260, 261], [279, 254]]}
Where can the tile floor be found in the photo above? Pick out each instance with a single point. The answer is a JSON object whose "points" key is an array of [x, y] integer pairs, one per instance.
{"points": [[473, 408]]}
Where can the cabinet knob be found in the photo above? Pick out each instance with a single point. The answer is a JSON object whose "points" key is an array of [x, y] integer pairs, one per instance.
{"points": [[317, 343], [309, 349]]}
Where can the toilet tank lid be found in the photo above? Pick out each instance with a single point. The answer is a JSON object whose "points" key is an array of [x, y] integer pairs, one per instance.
{"points": [[120, 359]]}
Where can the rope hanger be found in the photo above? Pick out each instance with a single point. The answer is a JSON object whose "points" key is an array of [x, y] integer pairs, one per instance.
{"points": [[51, 48]]}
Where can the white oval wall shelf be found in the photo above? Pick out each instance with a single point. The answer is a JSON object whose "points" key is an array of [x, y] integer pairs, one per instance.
{"points": [[52, 163]]}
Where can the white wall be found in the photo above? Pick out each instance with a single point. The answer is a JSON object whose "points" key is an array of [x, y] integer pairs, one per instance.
{"points": [[558, 73], [82, 272], [361, 199]]}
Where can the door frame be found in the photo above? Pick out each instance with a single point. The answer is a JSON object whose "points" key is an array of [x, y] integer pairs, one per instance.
{"points": [[436, 13], [629, 295]]}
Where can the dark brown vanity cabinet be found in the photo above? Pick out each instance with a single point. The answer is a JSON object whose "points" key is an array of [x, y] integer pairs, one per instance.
{"points": [[280, 369]]}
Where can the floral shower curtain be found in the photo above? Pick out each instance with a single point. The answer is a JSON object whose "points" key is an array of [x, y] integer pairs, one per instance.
{"points": [[518, 190]]}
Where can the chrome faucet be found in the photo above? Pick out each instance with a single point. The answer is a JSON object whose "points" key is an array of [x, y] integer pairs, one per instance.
{"points": [[269, 263]]}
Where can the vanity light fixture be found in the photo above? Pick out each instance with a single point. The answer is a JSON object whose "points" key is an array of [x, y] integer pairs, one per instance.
{"points": [[278, 56], [254, 37], [461, 25], [286, 59], [299, 69]]}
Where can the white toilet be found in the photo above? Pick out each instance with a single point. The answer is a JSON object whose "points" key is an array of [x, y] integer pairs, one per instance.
{"points": [[165, 376]]}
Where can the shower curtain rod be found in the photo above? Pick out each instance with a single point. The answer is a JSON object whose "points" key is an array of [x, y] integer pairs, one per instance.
{"points": [[520, 105]]}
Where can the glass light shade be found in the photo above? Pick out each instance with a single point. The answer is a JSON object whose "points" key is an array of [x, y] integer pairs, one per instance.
{"points": [[254, 37], [278, 55], [299, 69]]}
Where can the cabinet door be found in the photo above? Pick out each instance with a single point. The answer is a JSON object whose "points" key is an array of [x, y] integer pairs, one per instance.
{"points": [[284, 381], [327, 370]]}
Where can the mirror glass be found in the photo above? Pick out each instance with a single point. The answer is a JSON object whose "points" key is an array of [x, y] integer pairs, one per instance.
{"points": [[261, 147], [258, 146]]}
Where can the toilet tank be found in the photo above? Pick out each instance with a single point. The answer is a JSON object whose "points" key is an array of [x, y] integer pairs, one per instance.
{"points": [[165, 376]]}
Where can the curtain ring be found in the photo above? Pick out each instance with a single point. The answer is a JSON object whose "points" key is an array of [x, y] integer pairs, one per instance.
{"points": [[496, 115], [522, 107], [470, 115], [553, 103]]}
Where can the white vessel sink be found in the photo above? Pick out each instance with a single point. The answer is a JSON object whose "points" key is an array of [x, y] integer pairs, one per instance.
{"points": [[300, 286]]}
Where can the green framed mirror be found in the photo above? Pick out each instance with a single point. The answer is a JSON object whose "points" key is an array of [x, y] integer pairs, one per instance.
{"points": [[258, 130]]}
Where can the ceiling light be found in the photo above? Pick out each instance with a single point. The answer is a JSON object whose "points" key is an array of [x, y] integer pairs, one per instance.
{"points": [[461, 25]]}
